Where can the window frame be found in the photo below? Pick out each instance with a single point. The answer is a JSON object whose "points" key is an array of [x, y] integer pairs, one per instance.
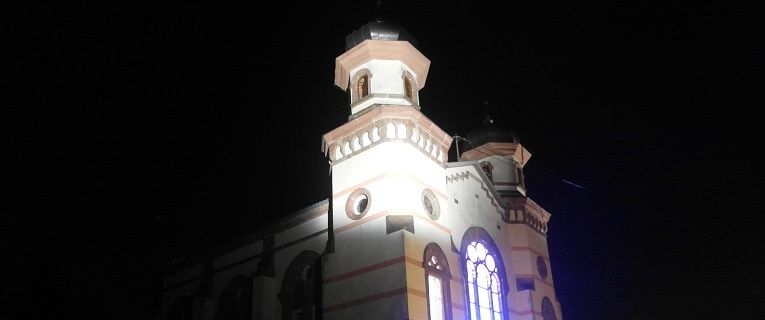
{"points": [[435, 205], [479, 235], [294, 276], [548, 309], [408, 78], [353, 201], [444, 274], [355, 96]]}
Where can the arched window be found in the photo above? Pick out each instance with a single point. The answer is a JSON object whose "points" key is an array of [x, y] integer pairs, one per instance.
{"points": [[488, 169], [235, 301], [437, 277], [485, 280], [301, 288], [519, 173], [362, 87], [408, 88], [548, 312]]}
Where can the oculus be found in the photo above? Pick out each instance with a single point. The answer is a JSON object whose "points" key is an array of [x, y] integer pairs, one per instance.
{"points": [[430, 204], [358, 203]]}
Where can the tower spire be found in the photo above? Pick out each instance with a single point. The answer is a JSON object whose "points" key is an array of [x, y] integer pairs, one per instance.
{"points": [[487, 120], [378, 10]]}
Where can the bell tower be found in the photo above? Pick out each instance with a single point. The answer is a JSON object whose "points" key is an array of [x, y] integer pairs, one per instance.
{"points": [[380, 67], [387, 165], [413, 236], [498, 152], [501, 156]]}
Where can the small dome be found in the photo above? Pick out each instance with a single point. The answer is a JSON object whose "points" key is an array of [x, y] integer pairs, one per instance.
{"points": [[489, 133], [378, 30]]}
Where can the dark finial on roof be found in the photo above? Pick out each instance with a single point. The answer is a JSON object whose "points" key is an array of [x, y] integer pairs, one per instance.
{"points": [[487, 120], [378, 30], [489, 132], [378, 11]]}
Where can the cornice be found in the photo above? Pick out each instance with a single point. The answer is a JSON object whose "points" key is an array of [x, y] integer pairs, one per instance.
{"points": [[383, 50]]}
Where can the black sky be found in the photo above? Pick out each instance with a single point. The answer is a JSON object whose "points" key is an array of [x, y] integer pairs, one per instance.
{"points": [[149, 131]]}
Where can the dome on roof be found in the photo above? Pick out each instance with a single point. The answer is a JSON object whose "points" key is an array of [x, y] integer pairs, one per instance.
{"points": [[378, 30], [489, 133]]}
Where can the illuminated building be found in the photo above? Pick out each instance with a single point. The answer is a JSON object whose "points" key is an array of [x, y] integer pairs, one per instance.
{"points": [[409, 235]]}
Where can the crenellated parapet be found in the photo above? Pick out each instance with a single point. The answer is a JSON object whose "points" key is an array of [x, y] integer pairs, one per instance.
{"points": [[522, 210], [387, 123]]}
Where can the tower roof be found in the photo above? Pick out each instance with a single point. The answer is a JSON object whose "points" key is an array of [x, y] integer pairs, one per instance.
{"points": [[378, 30], [489, 133]]}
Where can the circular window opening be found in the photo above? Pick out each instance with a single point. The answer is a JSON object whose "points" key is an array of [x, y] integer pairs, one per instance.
{"points": [[358, 204], [430, 203], [542, 267], [361, 204]]}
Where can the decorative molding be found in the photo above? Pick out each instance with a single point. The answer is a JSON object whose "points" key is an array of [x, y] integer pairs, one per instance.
{"points": [[387, 123], [523, 210], [374, 95], [367, 299], [489, 191], [361, 221], [383, 50], [364, 270], [389, 175], [511, 150]]}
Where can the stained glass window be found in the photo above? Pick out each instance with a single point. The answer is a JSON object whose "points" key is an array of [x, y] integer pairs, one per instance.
{"points": [[484, 277], [437, 275], [436, 298]]}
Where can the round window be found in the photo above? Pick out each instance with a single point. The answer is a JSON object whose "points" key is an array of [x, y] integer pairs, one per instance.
{"points": [[430, 203], [361, 204], [358, 204], [542, 267]]}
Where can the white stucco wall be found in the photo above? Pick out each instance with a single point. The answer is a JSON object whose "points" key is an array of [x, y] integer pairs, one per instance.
{"points": [[386, 83]]}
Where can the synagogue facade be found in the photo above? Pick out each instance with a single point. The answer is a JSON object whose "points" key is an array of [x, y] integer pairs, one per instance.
{"points": [[406, 234]]}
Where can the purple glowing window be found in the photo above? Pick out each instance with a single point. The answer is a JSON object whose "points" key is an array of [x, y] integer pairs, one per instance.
{"points": [[483, 282]]}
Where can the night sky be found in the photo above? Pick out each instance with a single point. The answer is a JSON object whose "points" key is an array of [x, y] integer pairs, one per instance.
{"points": [[151, 131]]}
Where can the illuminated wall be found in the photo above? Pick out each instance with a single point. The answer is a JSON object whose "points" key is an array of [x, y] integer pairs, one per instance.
{"points": [[415, 237]]}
